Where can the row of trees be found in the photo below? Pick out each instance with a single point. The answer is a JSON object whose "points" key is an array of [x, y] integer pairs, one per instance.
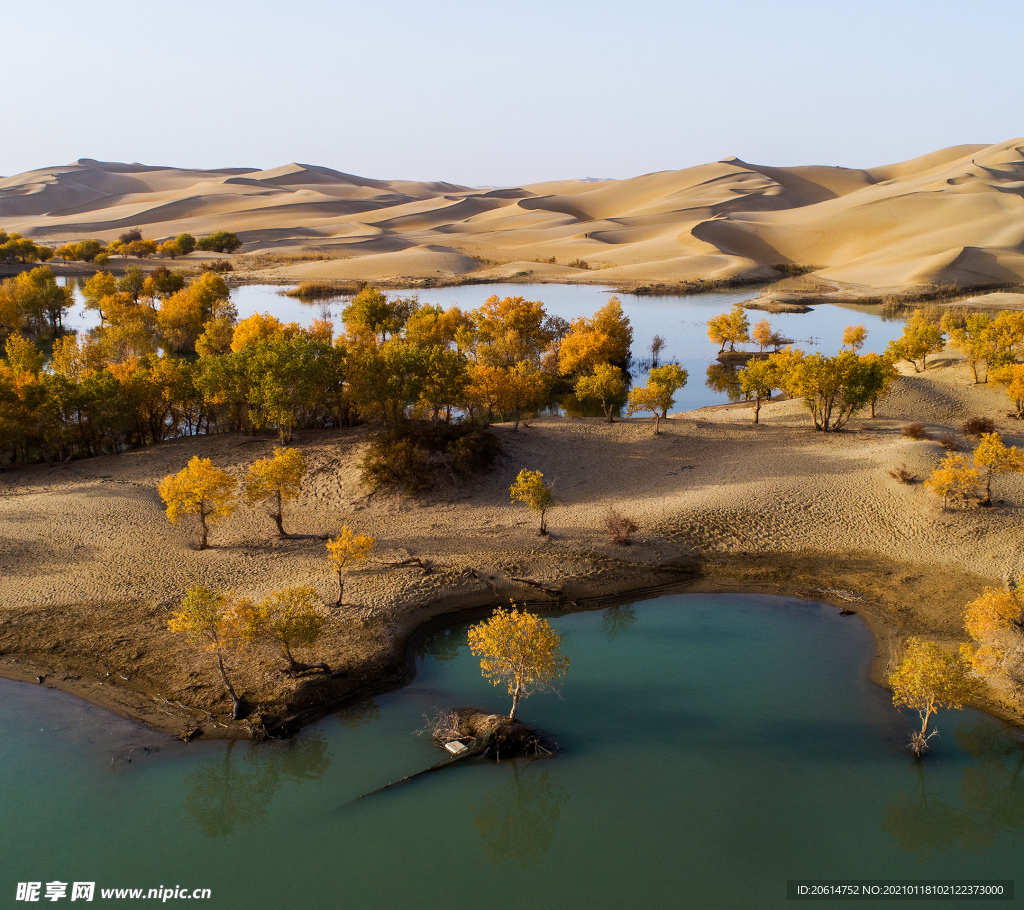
{"points": [[132, 243], [832, 388], [172, 359], [15, 248]]}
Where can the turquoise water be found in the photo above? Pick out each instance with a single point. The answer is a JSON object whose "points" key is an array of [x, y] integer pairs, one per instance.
{"points": [[681, 321], [713, 747]]}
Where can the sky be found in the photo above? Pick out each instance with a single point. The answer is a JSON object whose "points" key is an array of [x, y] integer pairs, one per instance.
{"points": [[494, 93]]}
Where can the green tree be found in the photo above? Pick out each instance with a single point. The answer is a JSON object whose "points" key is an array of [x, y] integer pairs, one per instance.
{"points": [[372, 310], [219, 242]]}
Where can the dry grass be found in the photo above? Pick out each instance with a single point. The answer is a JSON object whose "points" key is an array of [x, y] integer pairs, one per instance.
{"points": [[916, 431], [903, 474], [257, 261], [620, 527], [324, 290], [978, 425]]}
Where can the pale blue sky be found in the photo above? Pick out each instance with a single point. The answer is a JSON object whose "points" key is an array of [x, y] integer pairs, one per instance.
{"points": [[505, 93]]}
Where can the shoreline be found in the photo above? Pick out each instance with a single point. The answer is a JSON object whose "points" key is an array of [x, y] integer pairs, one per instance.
{"points": [[778, 294], [723, 577], [93, 568]]}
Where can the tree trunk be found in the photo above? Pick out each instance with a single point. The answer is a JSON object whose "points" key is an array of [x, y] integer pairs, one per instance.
{"points": [[278, 518], [543, 522], [657, 424], [341, 588], [987, 501], [236, 704], [757, 409], [204, 530], [515, 702]]}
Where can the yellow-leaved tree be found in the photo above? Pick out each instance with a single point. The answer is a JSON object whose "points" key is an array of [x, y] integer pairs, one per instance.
{"points": [[287, 619], [1011, 377], [854, 337], [927, 679], [605, 384], [344, 550], [995, 621], [199, 489], [993, 456], [277, 480], [659, 393], [213, 620], [520, 650], [531, 489], [954, 478], [730, 328]]}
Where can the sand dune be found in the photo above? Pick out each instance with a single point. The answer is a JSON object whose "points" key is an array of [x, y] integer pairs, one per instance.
{"points": [[955, 216]]}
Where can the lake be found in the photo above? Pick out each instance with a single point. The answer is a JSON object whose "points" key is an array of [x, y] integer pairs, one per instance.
{"points": [[713, 747], [681, 321]]}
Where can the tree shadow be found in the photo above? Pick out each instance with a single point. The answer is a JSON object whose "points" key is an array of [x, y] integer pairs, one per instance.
{"points": [[236, 792], [991, 799], [517, 822]]}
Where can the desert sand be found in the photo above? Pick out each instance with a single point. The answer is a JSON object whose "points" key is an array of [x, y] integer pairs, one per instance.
{"points": [[91, 567], [954, 216]]}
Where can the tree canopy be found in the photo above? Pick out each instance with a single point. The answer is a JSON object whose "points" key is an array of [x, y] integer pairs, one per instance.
{"points": [[520, 651]]}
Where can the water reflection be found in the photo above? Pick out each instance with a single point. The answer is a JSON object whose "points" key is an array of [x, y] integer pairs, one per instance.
{"points": [[355, 716], [991, 799], [517, 823], [236, 791], [443, 646], [617, 620], [994, 787], [724, 379]]}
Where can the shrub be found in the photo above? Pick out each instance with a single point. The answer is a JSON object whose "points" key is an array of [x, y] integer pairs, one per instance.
{"points": [[619, 526], [413, 457], [949, 443], [398, 464], [579, 264], [978, 425], [903, 474], [474, 453], [916, 431], [219, 242], [218, 265]]}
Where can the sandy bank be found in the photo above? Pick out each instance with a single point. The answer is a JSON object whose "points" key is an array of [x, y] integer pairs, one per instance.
{"points": [[91, 567]]}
